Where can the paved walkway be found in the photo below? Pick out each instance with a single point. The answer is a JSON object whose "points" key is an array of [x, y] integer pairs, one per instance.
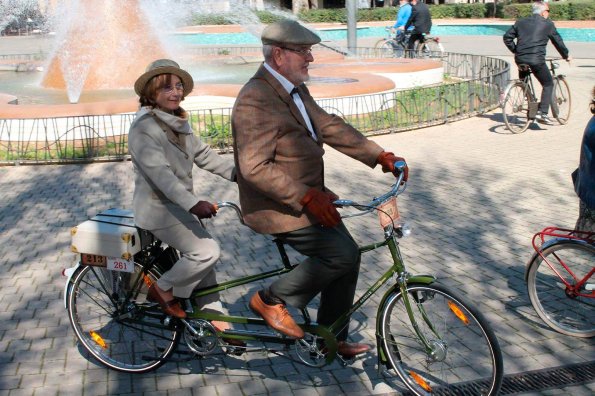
{"points": [[476, 196]]}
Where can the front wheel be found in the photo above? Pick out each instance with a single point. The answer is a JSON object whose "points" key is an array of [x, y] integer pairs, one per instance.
{"points": [[515, 108], [561, 101], [462, 354], [389, 48], [115, 323], [567, 309]]}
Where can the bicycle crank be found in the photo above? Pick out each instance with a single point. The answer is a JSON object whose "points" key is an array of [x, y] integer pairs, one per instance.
{"points": [[200, 336]]}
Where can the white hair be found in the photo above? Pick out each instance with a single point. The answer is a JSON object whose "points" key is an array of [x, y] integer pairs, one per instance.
{"points": [[538, 7]]}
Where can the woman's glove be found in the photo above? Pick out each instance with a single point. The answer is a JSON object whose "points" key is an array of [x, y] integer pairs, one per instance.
{"points": [[204, 210], [320, 204], [387, 160]]}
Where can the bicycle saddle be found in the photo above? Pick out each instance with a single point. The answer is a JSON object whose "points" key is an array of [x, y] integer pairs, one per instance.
{"points": [[524, 68]]}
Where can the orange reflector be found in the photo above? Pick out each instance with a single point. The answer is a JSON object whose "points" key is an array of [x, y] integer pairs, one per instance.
{"points": [[147, 280], [457, 311], [420, 381], [97, 338]]}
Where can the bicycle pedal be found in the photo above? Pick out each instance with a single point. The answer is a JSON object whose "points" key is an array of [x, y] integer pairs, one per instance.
{"points": [[345, 362]]}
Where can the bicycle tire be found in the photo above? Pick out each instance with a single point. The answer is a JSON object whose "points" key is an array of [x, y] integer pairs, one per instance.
{"points": [[463, 356], [132, 336], [574, 316], [561, 100], [515, 108], [389, 48], [430, 49]]}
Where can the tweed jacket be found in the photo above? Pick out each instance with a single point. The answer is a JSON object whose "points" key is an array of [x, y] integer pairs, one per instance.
{"points": [[277, 160], [163, 162]]}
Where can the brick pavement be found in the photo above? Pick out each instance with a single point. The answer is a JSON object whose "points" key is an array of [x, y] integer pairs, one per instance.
{"points": [[477, 194]]}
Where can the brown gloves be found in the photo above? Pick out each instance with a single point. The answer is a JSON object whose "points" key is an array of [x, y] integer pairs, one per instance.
{"points": [[320, 204], [204, 210], [387, 160]]}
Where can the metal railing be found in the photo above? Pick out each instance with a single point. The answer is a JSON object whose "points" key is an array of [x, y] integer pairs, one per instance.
{"points": [[473, 86]]}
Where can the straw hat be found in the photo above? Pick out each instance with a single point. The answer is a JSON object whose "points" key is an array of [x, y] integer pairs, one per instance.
{"points": [[288, 31], [163, 66]]}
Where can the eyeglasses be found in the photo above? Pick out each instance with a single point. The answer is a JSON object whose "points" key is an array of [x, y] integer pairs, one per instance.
{"points": [[302, 52], [170, 88]]}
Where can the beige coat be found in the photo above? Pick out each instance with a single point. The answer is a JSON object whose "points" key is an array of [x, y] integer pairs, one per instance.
{"points": [[277, 160], [163, 162]]}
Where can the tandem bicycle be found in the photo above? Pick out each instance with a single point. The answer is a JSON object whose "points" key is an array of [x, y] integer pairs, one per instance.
{"points": [[430, 338]]}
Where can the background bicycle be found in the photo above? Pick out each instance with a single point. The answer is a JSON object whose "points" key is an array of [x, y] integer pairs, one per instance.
{"points": [[395, 45], [520, 102], [560, 280]]}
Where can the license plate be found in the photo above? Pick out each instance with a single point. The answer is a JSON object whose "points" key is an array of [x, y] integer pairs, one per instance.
{"points": [[93, 259], [112, 263], [118, 264]]}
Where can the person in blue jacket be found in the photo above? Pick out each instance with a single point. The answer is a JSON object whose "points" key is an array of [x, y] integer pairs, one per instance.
{"points": [[403, 15], [584, 176]]}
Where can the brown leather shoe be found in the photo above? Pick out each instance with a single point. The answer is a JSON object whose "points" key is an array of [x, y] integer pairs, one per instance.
{"points": [[350, 350], [276, 316], [171, 308]]}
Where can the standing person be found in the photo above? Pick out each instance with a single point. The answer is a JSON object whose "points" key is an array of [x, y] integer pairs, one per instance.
{"points": [[279, 132], [164, 151], [532, 35], [421, 20], [584, 176]]}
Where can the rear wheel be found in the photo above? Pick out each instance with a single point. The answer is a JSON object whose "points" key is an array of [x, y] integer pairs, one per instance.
{"points": [[561, 100], [114, 321], [515, 108], [462, 354], [431, 48], [559, 305]]}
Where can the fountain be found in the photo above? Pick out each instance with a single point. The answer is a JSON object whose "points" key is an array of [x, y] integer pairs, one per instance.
{"points": [[94, 56], [105, 44]]}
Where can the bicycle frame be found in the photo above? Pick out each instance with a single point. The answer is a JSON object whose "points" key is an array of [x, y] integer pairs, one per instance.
{"points": [[558, 234]]}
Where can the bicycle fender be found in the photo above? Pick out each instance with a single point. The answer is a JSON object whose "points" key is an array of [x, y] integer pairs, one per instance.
{"points": [[414, 279], [68, 272], [547, 244]]}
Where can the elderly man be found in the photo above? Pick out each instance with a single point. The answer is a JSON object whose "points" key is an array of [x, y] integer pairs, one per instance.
{"points": [[279, 132], [532, 35]]}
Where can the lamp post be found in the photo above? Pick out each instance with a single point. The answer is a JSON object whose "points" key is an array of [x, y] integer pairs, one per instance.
{"points": [[351, 6], [28, 25]]}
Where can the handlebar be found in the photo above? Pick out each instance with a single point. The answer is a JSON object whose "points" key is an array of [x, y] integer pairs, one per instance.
{"points": [[395, 190]]}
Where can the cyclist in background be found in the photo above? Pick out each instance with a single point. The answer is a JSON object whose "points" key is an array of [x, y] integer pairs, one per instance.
{"points": [[532, 35], [402, 17], [421, 21]]}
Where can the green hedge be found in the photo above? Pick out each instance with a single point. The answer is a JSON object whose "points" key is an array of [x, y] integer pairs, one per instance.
{"points": [[559, 11]]}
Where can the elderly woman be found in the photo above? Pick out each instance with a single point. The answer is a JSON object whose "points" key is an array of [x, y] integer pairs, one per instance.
{"points": [[164, 151]]}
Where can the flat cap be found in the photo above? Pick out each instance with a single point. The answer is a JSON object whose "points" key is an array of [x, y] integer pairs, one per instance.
{"points": [[288, 31]]}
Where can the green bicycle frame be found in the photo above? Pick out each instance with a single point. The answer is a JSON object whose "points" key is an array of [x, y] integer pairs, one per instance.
{"points": [[396, 268]]}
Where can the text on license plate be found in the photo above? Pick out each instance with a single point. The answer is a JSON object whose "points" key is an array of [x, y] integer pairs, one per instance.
{"points": [[112, 263], [118, 264]]}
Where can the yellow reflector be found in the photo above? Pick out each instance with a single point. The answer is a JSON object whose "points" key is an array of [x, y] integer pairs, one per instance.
{"points": [[147, 280], [457, 311], [420, 381], [97, 338]]}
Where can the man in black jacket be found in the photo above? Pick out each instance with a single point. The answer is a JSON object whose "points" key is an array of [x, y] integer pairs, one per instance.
{"points": [[421, 21], [532, 35]]}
